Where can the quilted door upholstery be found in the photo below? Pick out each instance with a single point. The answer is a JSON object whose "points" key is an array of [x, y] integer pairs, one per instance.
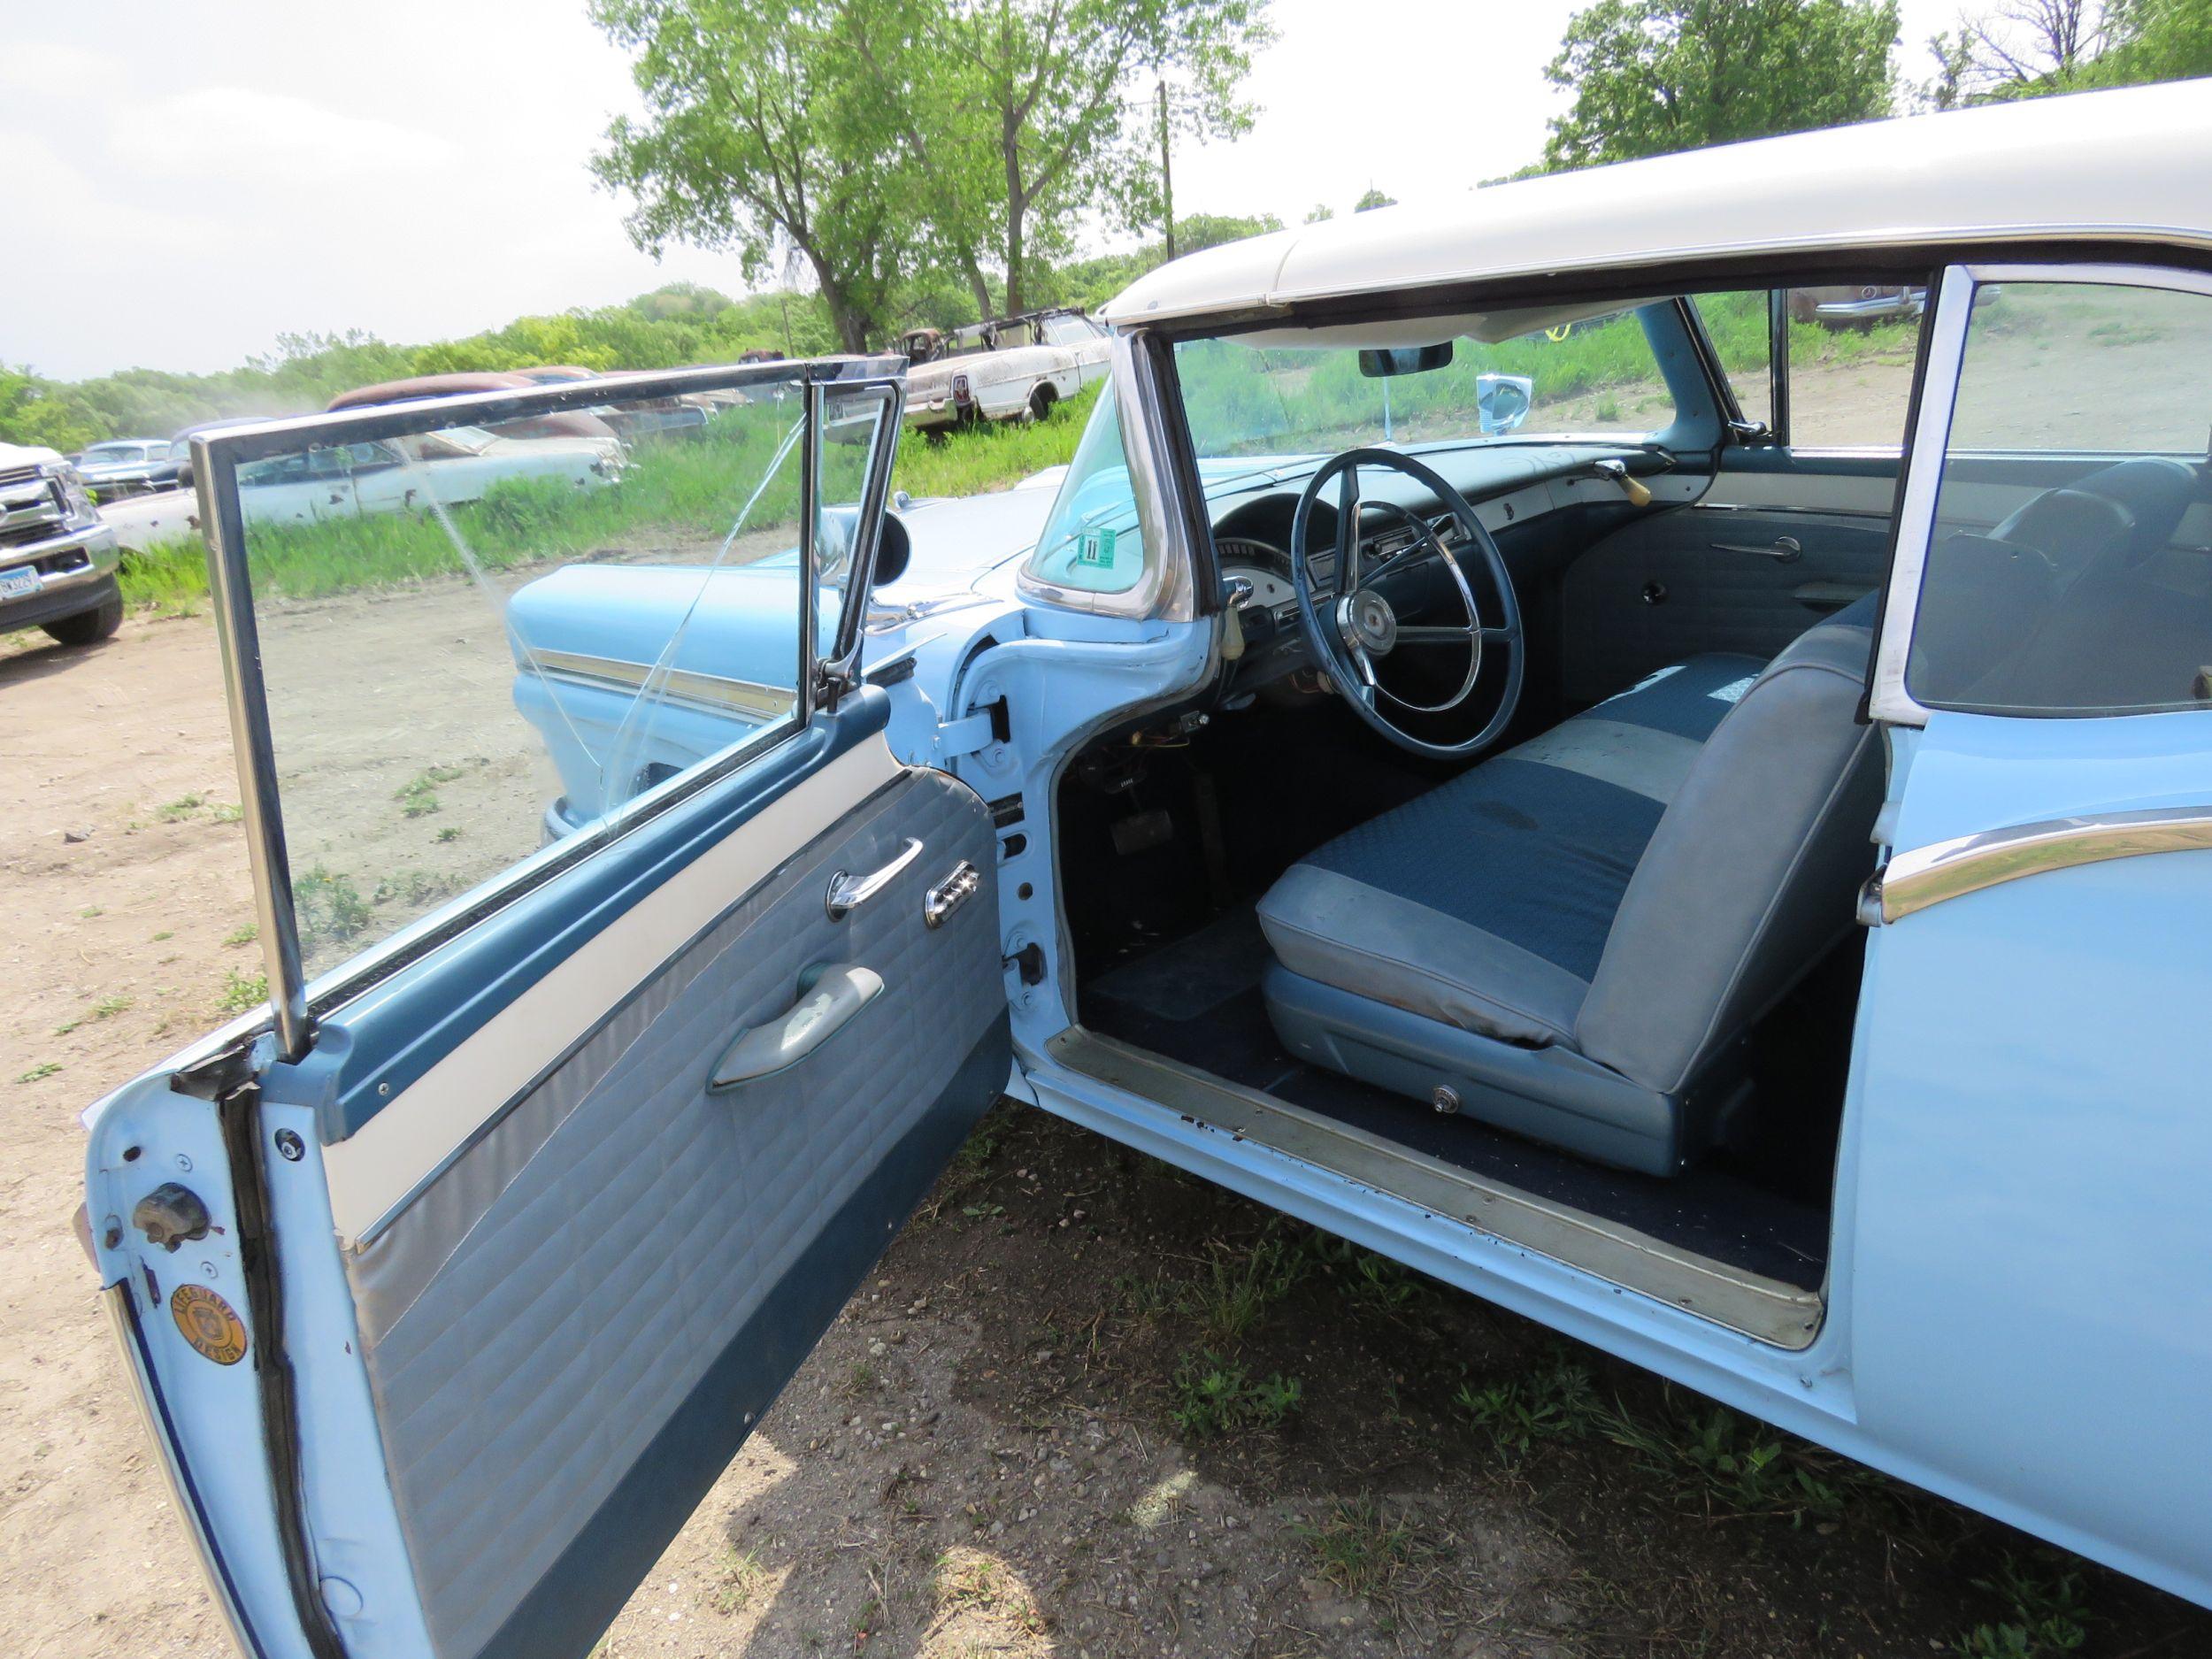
{"points": [[572, 1329], [1657, 591]]}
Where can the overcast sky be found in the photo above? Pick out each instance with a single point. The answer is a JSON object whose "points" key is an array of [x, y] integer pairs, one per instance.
{"points": [[187, 179]]}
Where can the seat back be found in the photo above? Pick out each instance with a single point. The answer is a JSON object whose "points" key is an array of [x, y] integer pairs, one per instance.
{"points": [[1753, 870]]}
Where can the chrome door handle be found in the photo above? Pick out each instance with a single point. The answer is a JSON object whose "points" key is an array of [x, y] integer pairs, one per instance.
{"points": [[947, 895], [848, 892], [1782, 550], [828, 997]]}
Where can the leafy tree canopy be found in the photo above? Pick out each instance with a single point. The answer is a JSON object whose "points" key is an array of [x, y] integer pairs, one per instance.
{"points": [[1653, 76], [2029, 48]]}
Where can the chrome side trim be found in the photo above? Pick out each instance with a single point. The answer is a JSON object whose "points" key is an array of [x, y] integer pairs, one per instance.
{"points": [[115, 1301], [1928, 875], [1764, 1308], [717, 692]]}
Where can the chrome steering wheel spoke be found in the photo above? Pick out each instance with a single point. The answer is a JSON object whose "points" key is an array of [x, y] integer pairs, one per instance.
{"points": [[1351, 632]]}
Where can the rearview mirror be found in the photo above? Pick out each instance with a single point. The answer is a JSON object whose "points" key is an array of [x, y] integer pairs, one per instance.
{"points": [[1503, 402], [1379, 364]]}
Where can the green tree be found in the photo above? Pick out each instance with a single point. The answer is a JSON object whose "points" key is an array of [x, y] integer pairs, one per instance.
{"points": [[1654, 76], [1017, 118], [757, 134], [1373, 198], [2031, 48]]}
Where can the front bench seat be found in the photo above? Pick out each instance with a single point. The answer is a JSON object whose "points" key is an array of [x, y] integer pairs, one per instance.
{"points": [[1569, 937]]}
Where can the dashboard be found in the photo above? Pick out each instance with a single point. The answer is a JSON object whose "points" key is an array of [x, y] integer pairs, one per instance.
{"points": [[1526, 496]]}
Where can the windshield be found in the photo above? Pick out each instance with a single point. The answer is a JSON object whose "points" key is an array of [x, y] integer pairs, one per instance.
{"points": [[113, 452], [1595, 375]]}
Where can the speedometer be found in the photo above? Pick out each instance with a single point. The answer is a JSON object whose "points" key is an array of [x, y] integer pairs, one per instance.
{"points": [[1261, 566]]}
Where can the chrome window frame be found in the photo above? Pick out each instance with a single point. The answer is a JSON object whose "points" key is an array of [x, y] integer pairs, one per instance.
{"points": [[1890, 700], [216, 459], [1165, 589]]}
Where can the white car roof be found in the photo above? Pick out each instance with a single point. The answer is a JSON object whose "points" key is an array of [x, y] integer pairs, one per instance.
{"points": [[2127, 166]]}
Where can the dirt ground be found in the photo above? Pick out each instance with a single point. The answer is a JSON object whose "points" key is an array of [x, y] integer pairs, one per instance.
{"points": [[1086, 1406]]}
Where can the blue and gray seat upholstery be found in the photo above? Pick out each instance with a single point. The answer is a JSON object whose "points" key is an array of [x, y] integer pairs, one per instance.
{"points": [[1572, 936]]}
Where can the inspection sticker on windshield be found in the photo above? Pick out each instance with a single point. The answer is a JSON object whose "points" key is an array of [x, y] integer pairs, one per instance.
{"points": [[1095, 548], [24, 579]]}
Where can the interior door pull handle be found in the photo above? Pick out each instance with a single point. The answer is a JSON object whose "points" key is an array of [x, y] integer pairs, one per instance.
{"points": [[829, 999], [849, 892], [1783, 549]]}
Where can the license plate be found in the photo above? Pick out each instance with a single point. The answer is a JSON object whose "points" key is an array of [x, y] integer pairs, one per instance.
{"points": [[19, 582]]}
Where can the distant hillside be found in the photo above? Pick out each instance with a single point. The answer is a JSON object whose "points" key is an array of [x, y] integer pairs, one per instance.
{"points": [[679, 324]]}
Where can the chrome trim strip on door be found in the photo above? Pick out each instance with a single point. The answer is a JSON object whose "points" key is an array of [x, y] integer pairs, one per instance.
{"points": [[246, 696], [1887, 700], [721, 693], [1924, 876], [841, 668]]}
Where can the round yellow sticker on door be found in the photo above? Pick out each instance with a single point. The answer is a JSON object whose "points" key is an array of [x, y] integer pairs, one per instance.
{"points": [[209, 1324]]}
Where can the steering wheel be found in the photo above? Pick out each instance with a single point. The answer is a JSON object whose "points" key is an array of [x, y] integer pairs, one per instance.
{"points": [[1359, 630]]}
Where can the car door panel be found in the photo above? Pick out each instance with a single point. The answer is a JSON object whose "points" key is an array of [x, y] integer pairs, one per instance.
{"points": [[516, 1269], [2030, 1317], [2029, 1311], [1675, 584], [571, 1326]]}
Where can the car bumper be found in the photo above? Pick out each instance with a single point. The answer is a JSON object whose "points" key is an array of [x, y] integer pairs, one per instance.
{"points": [[1886, 308], [76, 572], [932, 414]]}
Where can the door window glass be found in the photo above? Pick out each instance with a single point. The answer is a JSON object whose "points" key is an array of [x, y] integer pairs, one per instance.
{"points": [[1737, 324], [2088, 403], [1851, 350], [480, 640]]}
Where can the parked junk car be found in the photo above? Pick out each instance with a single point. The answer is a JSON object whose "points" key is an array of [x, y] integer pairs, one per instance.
{"points": [[662, 415], [1861, 305], [565, 423], [180, 445], [1010, 368], [443, 467], [127, 466], [58, 560], [1794, 984]]}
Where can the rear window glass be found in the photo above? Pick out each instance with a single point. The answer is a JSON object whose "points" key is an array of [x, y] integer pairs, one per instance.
{"points": [[2068, 571]]}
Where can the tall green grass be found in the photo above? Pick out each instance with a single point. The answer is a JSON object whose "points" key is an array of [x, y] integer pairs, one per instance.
{"points": [[988, 456]]}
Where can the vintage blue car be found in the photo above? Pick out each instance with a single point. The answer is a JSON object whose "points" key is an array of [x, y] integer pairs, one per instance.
{"points": [[1720, 864]]}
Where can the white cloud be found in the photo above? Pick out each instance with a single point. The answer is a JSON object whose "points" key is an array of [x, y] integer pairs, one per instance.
{"points": [[27, 64], [268, 138]]}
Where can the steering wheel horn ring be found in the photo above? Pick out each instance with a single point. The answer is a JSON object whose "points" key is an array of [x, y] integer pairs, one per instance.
{"points": [[1362, 626]]}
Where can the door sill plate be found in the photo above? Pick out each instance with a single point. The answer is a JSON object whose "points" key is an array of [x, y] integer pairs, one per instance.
{"points": [[1765, 1308]]}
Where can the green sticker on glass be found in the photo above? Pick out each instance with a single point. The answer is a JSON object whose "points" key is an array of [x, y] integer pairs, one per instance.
{"points": [[1095, 548]]}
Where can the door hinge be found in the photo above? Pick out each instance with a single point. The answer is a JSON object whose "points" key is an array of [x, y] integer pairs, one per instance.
{"points": [[987, 726]]}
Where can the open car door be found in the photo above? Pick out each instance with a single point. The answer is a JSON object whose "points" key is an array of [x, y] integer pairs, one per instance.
{"points": [[624, 992], [2026, 1279]]}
